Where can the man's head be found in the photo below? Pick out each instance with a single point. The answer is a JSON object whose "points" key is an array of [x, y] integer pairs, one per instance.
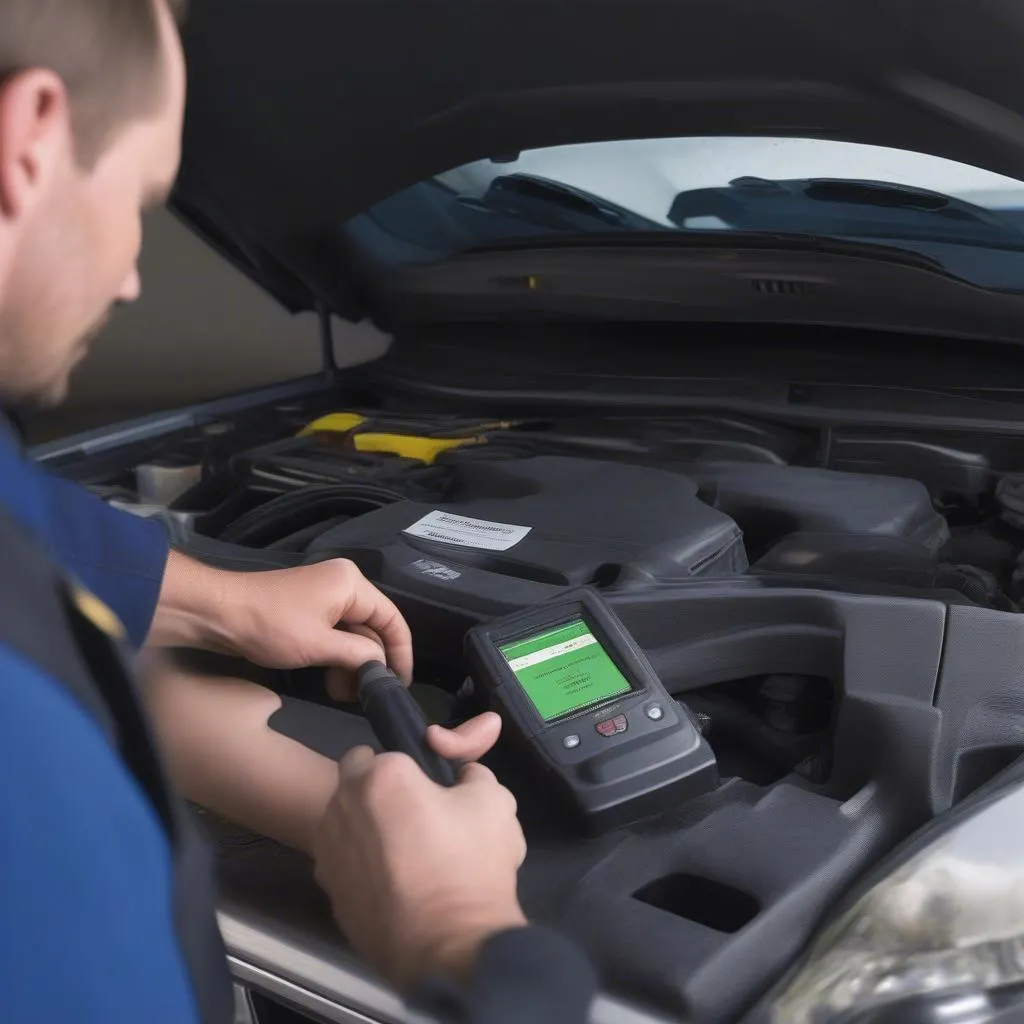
{"points": [[92, 95]]}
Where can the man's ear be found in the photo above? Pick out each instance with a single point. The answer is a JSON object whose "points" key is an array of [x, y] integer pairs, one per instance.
{"points": [[35, 135]]}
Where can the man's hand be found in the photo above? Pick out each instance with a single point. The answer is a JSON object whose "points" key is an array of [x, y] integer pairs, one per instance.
{"points": [[324, 614], [421, 876]]}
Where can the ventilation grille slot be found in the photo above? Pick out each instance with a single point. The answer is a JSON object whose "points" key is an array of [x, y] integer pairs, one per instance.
{"points": [[782, 286]]}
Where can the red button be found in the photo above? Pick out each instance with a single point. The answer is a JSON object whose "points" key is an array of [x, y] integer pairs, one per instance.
{"points": [[612, 726]]}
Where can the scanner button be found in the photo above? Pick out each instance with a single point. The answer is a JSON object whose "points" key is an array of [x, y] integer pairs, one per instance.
{"points": [[655, 712], [571, 742], [612, 726]]}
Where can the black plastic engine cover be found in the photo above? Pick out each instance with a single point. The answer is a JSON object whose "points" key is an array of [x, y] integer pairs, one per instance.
{"points": [[519, 532], [884, 559], [772, 502]]}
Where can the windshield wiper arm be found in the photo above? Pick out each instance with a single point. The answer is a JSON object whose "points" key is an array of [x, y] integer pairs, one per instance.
{"points": [[561, 207]]}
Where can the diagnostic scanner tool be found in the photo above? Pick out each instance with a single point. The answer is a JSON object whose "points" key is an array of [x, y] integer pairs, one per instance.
{"points": [[575, 690]]}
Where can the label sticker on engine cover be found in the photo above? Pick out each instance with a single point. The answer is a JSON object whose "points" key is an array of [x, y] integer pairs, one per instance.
{"points": [[445, 528]]}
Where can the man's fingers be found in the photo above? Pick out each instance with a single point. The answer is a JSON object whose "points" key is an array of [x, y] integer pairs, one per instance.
{"points": [[469, 741], [475, 774], [370, 634], [351, 651], [341, 685], [341, 681], [356, 762], [367, 606]]}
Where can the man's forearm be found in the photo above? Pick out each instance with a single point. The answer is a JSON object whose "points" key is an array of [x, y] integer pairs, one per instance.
{"points": [[195, 607], [225, 757]]}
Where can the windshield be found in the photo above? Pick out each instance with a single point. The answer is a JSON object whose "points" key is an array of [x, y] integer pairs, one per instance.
{"points": [[968, 220]]}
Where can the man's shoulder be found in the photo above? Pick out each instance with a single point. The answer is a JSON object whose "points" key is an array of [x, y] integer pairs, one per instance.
{"points": [[33, 614], [20, 492], [35, 620], [120, 556]]}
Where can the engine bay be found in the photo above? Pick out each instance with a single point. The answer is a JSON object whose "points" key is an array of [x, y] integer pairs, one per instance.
{"points": [[818, 599], [618, 503]]}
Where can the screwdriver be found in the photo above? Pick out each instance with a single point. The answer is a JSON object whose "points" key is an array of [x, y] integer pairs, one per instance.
{"points": [[399, 722]]}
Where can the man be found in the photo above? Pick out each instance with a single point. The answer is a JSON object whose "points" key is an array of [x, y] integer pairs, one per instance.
{"points": [[106, 895]]}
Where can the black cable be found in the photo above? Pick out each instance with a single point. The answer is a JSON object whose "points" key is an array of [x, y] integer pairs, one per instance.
{"points": [[300, 540], [289, 513]]}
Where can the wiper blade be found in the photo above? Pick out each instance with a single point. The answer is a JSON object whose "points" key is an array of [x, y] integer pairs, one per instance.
{"points": [[557, 206], [882, 194], [843, 208]]}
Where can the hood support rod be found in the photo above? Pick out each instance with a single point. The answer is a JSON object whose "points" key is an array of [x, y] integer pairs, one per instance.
{"points": [[330, 363]]}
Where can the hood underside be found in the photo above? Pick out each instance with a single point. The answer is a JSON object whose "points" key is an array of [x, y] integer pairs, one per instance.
{"points": [[302, 113]]}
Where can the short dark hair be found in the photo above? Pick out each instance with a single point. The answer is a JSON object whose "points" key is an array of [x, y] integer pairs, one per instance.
{"points": [[105, 51]]}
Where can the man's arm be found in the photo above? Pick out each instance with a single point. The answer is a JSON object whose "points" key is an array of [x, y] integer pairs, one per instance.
{"points": [[326, 614], [85, 871], [391, 851], [224, 756], [422, 880], [285, 618]]}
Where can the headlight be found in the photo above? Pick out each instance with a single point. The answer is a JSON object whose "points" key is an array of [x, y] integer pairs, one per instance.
{"points": [[949, 919]]}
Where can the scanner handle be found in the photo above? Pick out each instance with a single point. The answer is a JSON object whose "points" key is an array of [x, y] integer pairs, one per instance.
{"points": [[399, 721]]}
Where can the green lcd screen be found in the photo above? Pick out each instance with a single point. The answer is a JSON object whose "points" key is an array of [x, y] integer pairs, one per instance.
{"points": [[564, 670]]}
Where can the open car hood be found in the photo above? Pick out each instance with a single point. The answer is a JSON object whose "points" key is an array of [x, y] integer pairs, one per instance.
{"points": [[302, 113]]}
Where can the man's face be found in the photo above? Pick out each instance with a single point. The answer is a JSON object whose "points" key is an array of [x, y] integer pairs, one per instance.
{"points": [[70, 236]]}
